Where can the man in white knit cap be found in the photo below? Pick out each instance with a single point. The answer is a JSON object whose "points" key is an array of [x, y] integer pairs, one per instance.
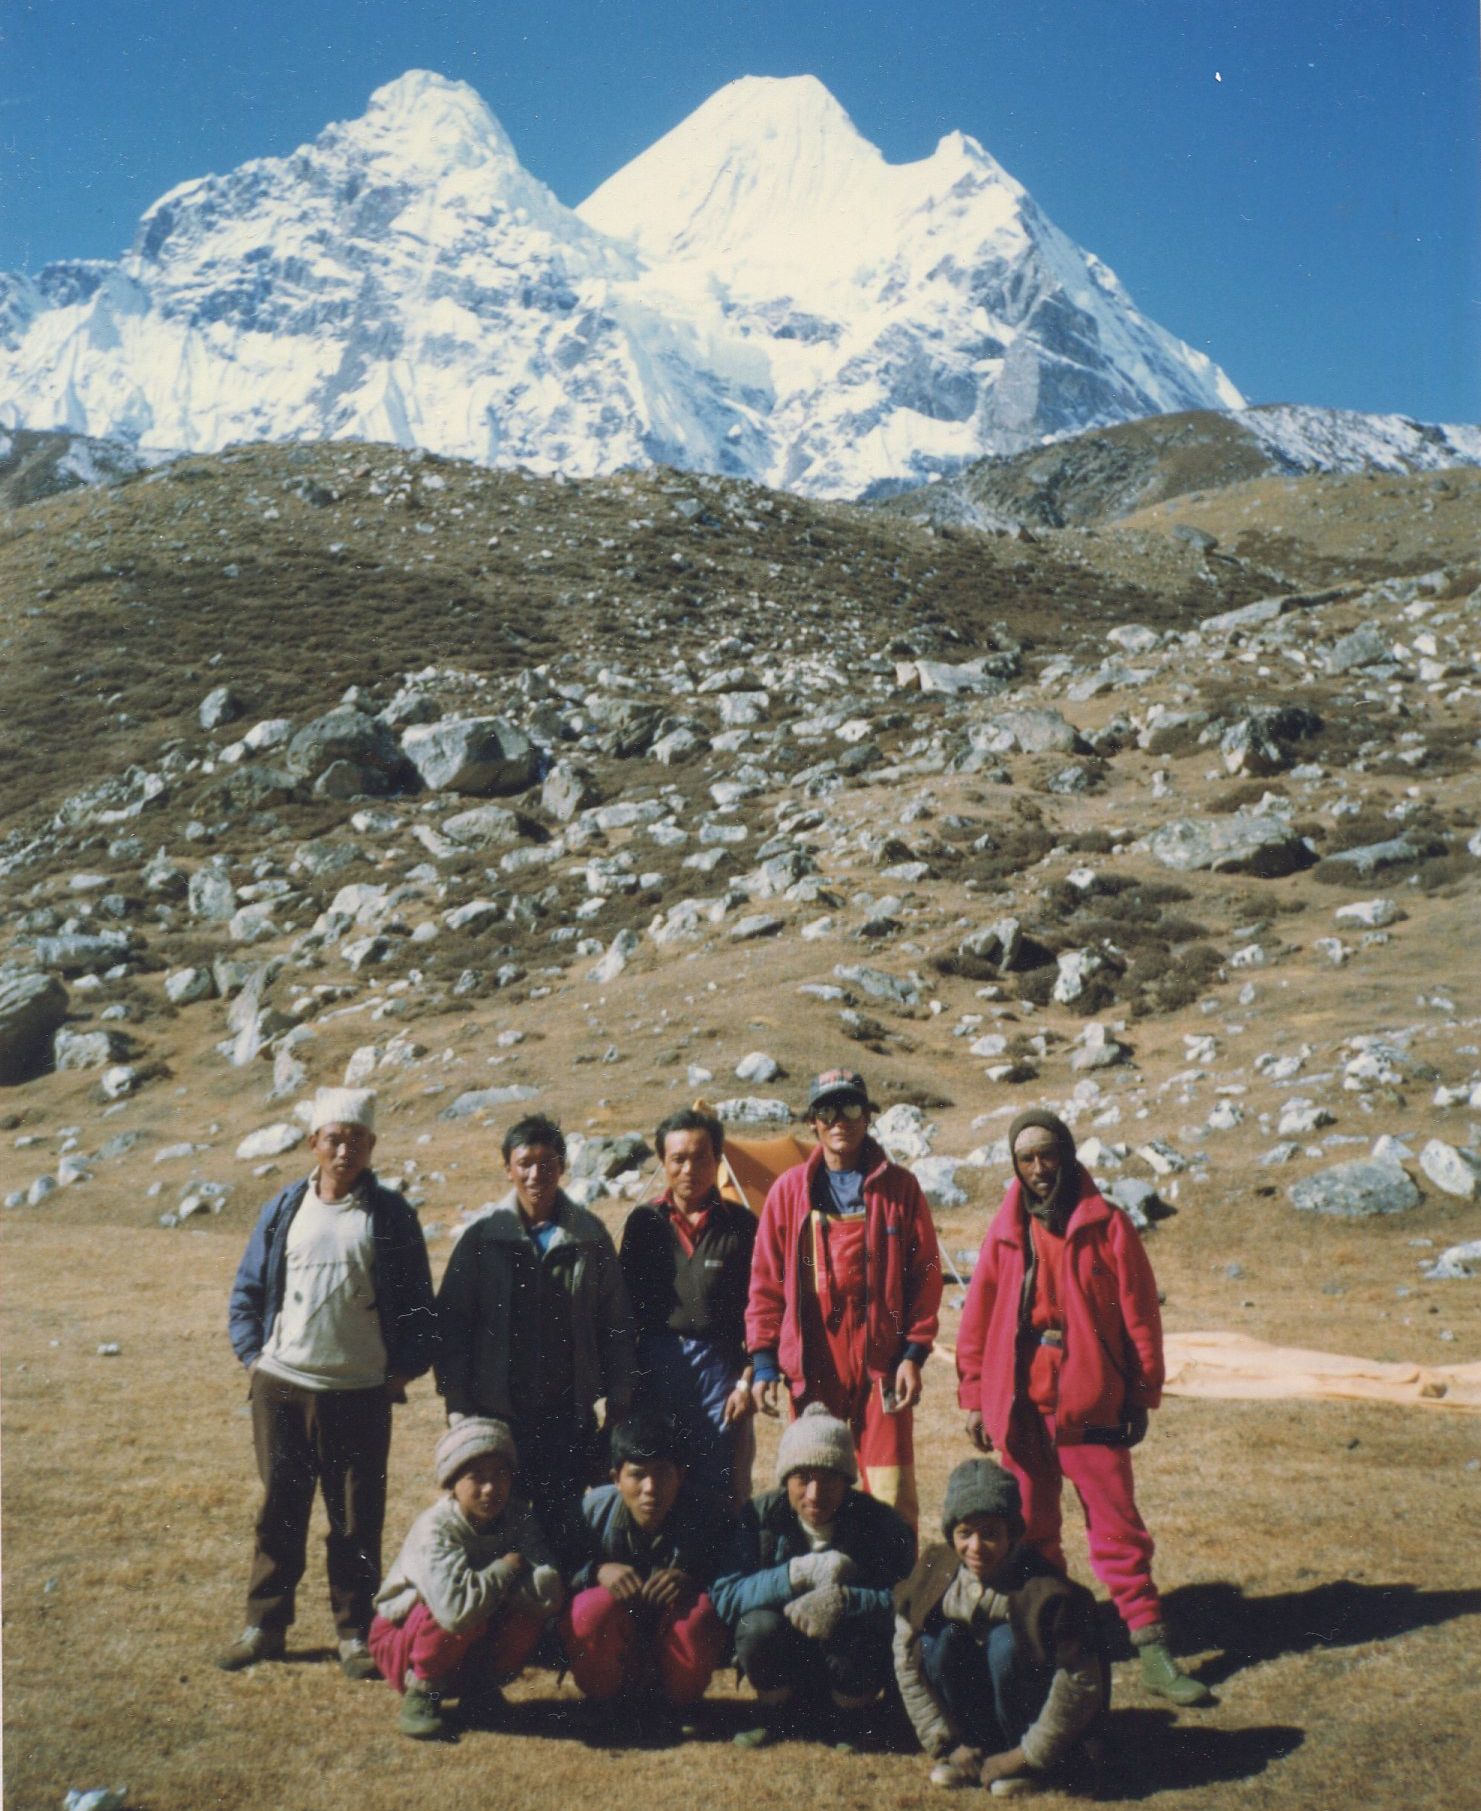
{"points": [[332, 1315]]}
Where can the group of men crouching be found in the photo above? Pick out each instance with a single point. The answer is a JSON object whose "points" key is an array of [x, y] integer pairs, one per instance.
{"points": [[642, 1585]]}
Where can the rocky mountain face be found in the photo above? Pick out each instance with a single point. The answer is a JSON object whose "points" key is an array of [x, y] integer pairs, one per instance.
{"points": [[758, 295], [336, 762], [1110, 473]]}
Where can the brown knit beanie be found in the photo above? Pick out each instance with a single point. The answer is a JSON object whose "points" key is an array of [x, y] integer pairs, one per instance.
{"points": [[1061, 1204]]}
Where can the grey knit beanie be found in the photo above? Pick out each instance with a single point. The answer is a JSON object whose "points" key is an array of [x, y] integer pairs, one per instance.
{"points": [[979, 1487], [470, 1439], [817, 1438]]}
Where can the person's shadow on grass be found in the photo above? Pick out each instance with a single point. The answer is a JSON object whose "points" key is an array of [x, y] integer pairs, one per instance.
{"points": [[1339, 1613], [1151, 1751]]}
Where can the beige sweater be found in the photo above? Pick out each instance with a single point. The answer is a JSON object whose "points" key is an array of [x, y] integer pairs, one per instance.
{"points": [[458, 1571]]}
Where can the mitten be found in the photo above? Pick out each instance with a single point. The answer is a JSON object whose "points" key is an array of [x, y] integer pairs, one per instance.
{"points": [[817, 1614], [544, 1588], [814, 1570]]}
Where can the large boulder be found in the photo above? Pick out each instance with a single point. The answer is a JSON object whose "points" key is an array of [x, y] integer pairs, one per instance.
{"points": [[79, 952], [478, 755], [1032, 730], [1357, 1191], [32, 1007], [88, 1049], [484, 827], [1245, 843], [343, 734]]}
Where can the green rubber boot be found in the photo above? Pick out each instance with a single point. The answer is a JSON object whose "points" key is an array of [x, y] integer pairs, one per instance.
{"points": [[1162, 1674], [421, 1711]]}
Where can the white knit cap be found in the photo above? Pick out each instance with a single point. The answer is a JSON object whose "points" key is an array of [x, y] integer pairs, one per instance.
{"points": [[343, 1107], [819, 1439]]}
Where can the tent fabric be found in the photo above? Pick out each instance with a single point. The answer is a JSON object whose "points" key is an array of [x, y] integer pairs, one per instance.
{"points": [[751, 1165], [1232, 1366]]}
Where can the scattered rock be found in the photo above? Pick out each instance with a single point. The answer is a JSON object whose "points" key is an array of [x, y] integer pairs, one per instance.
{"points": [[1241, 844], [1356, 1191], [275, 1140], [1455, 1171], [220, 705], [32, 1008], [478, 755]]}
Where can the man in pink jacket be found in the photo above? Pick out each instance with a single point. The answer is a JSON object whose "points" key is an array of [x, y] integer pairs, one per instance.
{"points": [[845, 1288], [1059, 1359]]}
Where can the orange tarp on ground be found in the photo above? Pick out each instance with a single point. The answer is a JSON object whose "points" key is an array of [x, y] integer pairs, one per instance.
{"points": [[1233, 1367]]}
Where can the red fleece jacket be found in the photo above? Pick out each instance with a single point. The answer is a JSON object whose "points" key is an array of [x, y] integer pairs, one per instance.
{"points": [[1113, 1326], [903, 1259]]}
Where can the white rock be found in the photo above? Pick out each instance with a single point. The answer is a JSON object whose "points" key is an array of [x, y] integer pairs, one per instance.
{"points": [[270, 1141], [184, 986], [1456, 1263], [1372, 914], [119, 1080], [758, 1066], [1455, 1171], [905, 1132], [937, 1177], [754, 1110], [619, 952], [1075, 969]]}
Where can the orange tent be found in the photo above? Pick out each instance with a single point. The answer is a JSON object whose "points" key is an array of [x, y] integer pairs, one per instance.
{"points": [[750, 1166]]}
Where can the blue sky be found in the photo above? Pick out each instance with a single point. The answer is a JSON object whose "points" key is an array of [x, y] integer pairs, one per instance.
{"points": [[1294, 186]]}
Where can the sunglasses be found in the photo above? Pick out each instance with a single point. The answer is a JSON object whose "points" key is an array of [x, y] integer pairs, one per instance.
{"points": [[851, 1110]]}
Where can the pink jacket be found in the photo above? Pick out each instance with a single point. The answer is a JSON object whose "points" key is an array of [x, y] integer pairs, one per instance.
{"points": [[1113, 1327], [904, 1266]]}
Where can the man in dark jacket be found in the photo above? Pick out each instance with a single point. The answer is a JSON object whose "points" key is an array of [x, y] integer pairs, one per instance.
{"points": [[687, 1261], [332, 1314], [534, 1325], [810, 1599]]}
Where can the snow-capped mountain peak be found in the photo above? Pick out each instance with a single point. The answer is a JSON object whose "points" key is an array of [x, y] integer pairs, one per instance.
{"points": [[760, 293], [769, 172], [428, 119]]}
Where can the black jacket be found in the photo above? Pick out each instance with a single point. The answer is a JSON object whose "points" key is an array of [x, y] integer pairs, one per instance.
{"points": [[700, 1297]]}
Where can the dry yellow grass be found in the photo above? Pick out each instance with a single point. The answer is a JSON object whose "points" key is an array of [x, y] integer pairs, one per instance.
{"points": [[1318, 1560]]}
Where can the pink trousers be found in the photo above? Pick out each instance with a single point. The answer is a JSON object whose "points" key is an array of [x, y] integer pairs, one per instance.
{"points": [[488, 1653], [1120, 1546], [613, 1647]]}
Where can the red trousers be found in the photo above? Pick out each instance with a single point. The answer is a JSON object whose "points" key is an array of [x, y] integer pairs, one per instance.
{"points": [[1120, 1546], [615, 1647], [833, 1344], [488, 1653]]}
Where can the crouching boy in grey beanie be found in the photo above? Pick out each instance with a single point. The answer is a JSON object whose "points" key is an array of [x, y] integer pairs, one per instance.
{"points": [[472, 1587], [995, 1653], [809, 1598]]}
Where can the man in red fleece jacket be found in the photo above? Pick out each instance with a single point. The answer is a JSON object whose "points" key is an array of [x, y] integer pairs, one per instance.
{"points": [[1059, 1357], [845, 1288]]}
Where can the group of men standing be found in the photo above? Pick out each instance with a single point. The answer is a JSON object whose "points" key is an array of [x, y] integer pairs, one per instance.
{"points": [[707, 1315]]}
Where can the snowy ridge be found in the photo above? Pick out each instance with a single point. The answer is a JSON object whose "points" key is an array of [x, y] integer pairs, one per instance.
{"points": [[759, 294], [1341, 440]]}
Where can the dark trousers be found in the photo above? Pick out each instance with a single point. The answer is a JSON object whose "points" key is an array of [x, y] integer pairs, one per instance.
{"points": [[988, 1692], [339, 1440], [558, 1463], [854, 1661]]}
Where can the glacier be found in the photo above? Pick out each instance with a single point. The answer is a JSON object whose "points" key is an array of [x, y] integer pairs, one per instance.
{"points": [[760, 294]]}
